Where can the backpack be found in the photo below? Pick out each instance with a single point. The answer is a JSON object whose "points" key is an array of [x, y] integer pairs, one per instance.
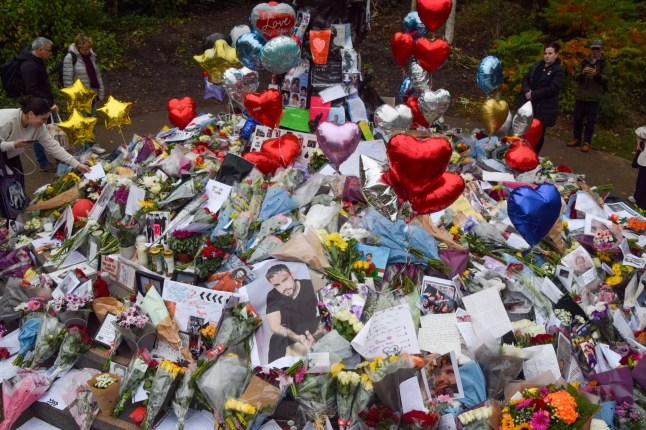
{"points": [[60, 66], [11, 77]]}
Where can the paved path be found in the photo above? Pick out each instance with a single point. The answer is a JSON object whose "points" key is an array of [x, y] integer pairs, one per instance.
{"points": [[599, 167]]}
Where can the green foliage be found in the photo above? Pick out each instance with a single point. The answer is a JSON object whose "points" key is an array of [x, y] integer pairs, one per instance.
{"points": [[518, 53], [584, 17]]}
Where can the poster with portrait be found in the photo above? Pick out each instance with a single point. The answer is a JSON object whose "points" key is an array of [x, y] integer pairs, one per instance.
{"points": [[581, 262], [155, 225], [442, 377], [479, 200], [294, 87], [439, 296], [377, 259], [284, 297]]}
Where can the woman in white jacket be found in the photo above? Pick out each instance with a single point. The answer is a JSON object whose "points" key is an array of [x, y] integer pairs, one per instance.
{"points": [[20, 128], [85, 68]]}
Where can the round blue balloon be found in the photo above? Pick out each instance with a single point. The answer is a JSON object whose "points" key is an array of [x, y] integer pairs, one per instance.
{"points": [[248, 128], [280, 54], [249, 50], [406, 89], [534, 211], [489, 74], [413, 25]]}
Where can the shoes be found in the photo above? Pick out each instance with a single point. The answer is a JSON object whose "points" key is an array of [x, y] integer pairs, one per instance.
{"points": [[97, 150], [49, 167], [575, 142], [631, 199], [585, 147]]}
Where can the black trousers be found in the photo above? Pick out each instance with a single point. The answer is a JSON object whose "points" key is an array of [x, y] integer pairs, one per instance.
{"points": [[585, 117]]}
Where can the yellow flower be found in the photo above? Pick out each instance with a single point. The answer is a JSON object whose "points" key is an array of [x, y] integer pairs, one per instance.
{"points": [[507, 422], [172, 368], [576, 384], [336, 369], [565, 224], [523, 426], [532, 391], [455, 230], [50, 189]]}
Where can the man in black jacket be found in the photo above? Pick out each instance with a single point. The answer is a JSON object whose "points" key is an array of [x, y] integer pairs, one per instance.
{"points": [[34, 76]]}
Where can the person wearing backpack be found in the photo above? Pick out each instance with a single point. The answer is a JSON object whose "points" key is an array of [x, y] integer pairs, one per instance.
{"points": [[33, 70], [80, 62], [19, 129]]}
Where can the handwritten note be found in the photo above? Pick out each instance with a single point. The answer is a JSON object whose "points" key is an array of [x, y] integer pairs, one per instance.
{"points": [[107, 332], [488, 314], [411, 396], [543, 358], [388, 331], [194, 303], [439, 333]]}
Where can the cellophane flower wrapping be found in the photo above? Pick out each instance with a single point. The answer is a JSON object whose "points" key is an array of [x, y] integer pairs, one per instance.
{"points": [[161, 386], [19, 392], [317, 398], [27, 337], [76, 342], [134, 376], [222, 381], [238, 415], [476, 418], [182, 398], [264, 396], [346, 387], [50, 336], [84, 408]]}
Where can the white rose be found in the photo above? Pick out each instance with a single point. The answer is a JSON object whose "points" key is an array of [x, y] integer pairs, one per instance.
{"points": [[357, 327], [155, 188]]}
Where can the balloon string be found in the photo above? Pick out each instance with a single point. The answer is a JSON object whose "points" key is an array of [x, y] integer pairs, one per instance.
{"points": [[280, 148], [122, 136]]}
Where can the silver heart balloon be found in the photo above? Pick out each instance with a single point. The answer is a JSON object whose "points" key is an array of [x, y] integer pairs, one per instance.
{"points": [[433, 104], [420, 78], [377, 193], [522, 120], [505, 129], [393, 119], [239, 82]]}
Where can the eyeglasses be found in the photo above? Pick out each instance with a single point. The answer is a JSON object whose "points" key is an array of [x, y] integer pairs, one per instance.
{"points": [[46, 49]]}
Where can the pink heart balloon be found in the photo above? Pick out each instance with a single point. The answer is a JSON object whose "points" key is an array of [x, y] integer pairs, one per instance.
{"points": [[338, 142]]}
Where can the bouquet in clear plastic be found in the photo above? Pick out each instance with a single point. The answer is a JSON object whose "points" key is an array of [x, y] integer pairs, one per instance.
{"points": [[84, 408], [317, 398], [76, 342], [182, 397], [162, 382], [346, 388], [224, 380], [476, 418], [19, 392], [238, 415], [134, 376], [50, 336]]}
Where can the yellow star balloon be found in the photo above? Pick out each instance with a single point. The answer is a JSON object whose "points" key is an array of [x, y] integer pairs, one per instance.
{"points": [[216, 60], [78, 97], [79, 128], [115, 113]]}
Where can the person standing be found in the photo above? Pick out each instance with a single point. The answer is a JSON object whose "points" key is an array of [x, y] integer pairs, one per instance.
{"points": [[639, 162], [33, 71], [592, 81], [541, 86]]}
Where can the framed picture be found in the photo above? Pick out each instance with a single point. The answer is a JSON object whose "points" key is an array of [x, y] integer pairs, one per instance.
{"points": [[126, 275], [147, 280], [185, 277], [107, 331]]}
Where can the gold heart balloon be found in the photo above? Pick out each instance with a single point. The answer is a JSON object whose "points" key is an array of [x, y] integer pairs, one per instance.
{"points": [[216, 60], [79, 128], [115, 113], [493, 114], [78, 97]]}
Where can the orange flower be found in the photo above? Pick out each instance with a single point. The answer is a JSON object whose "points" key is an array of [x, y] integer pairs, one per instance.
{"points": [[565, 406]]}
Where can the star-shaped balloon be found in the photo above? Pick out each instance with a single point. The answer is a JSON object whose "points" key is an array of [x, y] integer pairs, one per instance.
{"points": [[79, 128], [216, 60], [78, 97], [115, 113]]}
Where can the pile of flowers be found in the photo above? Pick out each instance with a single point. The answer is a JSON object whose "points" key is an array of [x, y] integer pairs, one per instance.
{"points": [[132, 317], [70, 302]]}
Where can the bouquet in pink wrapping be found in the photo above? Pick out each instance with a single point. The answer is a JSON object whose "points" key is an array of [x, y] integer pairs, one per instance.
{"points": [[19, 392]]}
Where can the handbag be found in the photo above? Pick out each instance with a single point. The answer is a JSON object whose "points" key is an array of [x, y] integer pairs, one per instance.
{"points": [[13, 199]]}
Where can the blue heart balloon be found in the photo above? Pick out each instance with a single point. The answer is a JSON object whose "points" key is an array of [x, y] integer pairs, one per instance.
{"points": [[406, 89], [249, 50], [248, 128], [489, 74], [413, 25], [280, 54], [534, 211]]}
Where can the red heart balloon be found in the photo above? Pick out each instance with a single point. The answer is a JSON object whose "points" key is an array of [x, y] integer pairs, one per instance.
{"points": [[181, 112], [416, 164], [440, 196], [284, 149], [521, 156], [265, 107], [434, 13], [431, 54], [534, 132], [418, 118], [402, 46], [263, 161]]}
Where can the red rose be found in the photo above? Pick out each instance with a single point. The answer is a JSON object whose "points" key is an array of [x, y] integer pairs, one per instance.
{"points": [[4, 353], [153, 363], [100, 288]]}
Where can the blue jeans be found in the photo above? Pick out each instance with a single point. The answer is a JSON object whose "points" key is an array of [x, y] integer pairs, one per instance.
{"points": [[41, 157]]}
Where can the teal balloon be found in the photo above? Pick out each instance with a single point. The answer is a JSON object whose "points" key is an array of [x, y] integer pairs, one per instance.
{"points": [[280, 54], [489, 74], [249, 50], [413, 25]]}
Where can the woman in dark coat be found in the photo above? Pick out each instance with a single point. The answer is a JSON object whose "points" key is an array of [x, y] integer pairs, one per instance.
{"points": [[542, 85], [639, 162]]}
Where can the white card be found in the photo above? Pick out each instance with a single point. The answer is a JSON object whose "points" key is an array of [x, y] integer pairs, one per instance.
{"points": [[549, 289], [387, 330], [411, 396], [332, 93], [135, 195], [488, 314], [96, 172], [217, 193]]}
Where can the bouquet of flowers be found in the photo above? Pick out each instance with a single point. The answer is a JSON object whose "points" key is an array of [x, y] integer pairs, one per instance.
{"points": [[35, 304], [599, 314], [125, 230], [342, 254], [76, 341], [105, 388], [346, 324], [390, 372], [317, 398], [134, 376], [238, 414], [71, 306], [50, 335], [164, 378], [418, 420], [238, 323], [182, 398], [210, 259], [133, 324], [19, 392], [346, 387], [379, 418], [629, 417], [550, 407], [185, 242], [27, 337], [59, 185], [84, 408], [476, 419], [222, 381]]}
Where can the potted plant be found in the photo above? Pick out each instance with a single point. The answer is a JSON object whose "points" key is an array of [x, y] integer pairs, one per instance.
{"points": [[185, 244]]}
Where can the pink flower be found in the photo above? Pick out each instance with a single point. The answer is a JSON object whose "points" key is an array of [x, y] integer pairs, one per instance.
{"points": [[540, 420], [444, 398], [524, 403]]}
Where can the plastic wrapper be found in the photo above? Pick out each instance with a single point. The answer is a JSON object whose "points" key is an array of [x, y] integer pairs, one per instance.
{"points": [[224, 380], [618, 381], [237, 414], [347, 385], [182, 398], [335, 345], [473, 384], [16, 293], [304, 247], [138, 338], [19, 392], [352, 302], [498, 370], [105, 397], [160, 389], [317, 398], [277, 201], [84, 408], [15, 262], [134, 376], [263, 396], [306, 192], [27, 337], [75, 342]]}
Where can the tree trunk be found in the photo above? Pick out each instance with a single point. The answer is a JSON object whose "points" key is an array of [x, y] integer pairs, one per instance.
{"points": [[449, 31]]}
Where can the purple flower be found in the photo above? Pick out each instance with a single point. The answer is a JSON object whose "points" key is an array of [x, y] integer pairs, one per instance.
{"points": [[121, 195], [469, 225], [597, 315]]}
